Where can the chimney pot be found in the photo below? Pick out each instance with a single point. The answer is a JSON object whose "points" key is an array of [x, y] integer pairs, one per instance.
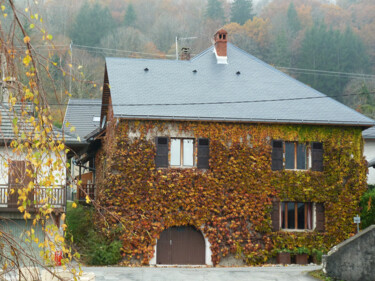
{"points": [[185, 53]]}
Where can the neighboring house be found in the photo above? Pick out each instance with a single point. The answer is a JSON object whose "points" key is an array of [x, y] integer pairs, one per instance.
{"points": [[369, 153], [83, 115], [223, 160], [15, 175]]}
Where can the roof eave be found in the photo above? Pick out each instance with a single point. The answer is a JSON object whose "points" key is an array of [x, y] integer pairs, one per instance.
{"points": [[245, 120]]}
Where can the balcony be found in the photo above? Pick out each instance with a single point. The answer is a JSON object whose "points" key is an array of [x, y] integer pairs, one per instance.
{"points": [[56, 197], [86, 189]]}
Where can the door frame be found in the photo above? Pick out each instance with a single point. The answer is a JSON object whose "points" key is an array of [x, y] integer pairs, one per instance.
{"points": [[207, 245]]}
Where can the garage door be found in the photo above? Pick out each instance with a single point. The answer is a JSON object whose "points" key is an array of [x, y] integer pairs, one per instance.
{"points": [[17, 228], [180, 245]]}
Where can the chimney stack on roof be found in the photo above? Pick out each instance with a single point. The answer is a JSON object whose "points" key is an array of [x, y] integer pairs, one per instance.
{"points": [[185, 53], [221, 46]]}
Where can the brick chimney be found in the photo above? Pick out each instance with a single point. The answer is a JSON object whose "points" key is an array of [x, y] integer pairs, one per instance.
{"points": [[185, 53], [221, 40]]}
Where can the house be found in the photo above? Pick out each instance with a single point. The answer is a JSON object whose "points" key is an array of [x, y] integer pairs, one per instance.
{"points": [[222, 159], [369, 153], [83, 115], [46, 179]]}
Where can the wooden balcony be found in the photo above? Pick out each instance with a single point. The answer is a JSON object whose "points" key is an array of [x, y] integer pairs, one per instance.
{"points": [[86, 189], [56, 197]]}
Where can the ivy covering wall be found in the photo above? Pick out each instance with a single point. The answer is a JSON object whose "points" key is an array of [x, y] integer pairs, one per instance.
{"points": [[232, 201]]}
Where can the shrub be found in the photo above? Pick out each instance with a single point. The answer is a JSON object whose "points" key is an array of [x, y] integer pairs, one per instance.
{"points": [[101, 251], [79, 222], [368, 208]]}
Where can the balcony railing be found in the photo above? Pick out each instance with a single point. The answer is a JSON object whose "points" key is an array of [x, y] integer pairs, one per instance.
{"points": [[39, 196], [86, 189]]}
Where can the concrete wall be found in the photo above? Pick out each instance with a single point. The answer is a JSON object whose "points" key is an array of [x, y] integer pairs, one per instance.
{"points": [[369, 153], [353, 259]]}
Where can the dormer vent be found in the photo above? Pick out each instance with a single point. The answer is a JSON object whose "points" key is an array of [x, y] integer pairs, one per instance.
{"points": [[221, 46], [195, 71], [238, 72], [146, 69]]}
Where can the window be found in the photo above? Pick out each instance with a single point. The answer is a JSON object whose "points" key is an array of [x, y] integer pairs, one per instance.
{"points": [[182, 152], [296, 215], [297, 156]]}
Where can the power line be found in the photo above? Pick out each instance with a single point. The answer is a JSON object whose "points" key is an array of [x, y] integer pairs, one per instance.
{"points": [[209, 103]]}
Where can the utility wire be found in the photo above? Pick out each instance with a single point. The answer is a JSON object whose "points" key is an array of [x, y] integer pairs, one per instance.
{"points": [[208, 103], [293, 69]]}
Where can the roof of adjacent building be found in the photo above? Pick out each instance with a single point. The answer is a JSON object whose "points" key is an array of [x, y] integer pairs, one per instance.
{"points": [[369, 133], [83, 115], [246, 89], [7, 129]]}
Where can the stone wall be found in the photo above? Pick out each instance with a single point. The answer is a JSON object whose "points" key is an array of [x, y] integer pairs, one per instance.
{"points": [[353, 259]]}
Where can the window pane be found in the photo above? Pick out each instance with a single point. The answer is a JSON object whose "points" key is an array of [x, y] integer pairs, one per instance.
{"points": [[301, 156], [289, 155], [291, 216], [282, 215], [175, 152], [309, 216], [301, 215], [188, 158]]}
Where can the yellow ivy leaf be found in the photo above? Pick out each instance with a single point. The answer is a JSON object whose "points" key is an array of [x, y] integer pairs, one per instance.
{"points": [[74, 205], [26, 39]]}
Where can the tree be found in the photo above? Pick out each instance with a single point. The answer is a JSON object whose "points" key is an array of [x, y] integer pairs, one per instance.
{"points": [[331, 50], [241, 11], [293, 20], [92, 22], [130, 16], [214, 10]]}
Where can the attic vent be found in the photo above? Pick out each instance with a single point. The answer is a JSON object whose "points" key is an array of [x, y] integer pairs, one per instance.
{"points": [[195, 71], [146, 69], [238, 73]]}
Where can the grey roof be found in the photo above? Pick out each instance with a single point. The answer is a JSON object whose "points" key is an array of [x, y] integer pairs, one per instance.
{"points": [[369, 133], [7, 132], [258, 89], [80, 113]]}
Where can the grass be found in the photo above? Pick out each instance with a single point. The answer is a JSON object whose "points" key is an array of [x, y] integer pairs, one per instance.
{"points": [[320, 275]]}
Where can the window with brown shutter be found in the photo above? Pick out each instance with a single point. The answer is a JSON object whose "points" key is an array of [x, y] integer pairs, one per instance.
{"points": [[317, 156], [203, 153], [161, 158], [297, 215], [275, 216], [320, 217], [277, 155]]}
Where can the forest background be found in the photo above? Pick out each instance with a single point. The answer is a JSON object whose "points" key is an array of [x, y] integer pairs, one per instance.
{"points": [[329, 45]]}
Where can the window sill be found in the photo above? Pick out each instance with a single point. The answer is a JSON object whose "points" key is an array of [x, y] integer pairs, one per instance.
{"points": [[297, 230]]}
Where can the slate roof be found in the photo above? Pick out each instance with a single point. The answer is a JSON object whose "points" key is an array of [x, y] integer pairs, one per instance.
{"points": [[258, 89], [369, 133], [80, 113], [7, 133]]}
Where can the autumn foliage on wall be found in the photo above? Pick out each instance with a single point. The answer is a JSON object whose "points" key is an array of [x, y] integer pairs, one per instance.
{"points": [[232, 201]]}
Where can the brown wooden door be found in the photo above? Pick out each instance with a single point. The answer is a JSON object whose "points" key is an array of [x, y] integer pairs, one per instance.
{"points": [[18, 179], [181, 245]]}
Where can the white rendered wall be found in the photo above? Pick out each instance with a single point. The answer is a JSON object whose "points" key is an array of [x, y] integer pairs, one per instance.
{"points": [[369, 153]]}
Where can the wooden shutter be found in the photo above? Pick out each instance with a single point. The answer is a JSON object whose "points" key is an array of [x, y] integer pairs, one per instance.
{"points": [[320, 217], [277, 155], [162, 148], [275, 216], [317, 156], [203, 153]]}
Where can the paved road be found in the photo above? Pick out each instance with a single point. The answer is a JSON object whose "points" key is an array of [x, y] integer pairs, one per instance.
{"points": [[290, 273]]}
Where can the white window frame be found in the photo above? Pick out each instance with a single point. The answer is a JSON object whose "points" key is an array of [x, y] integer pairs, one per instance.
{"points": [[182, 155], [308, 155]]}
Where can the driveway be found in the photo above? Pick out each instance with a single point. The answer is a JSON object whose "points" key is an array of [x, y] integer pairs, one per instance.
{"points": [[277, 273]]}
